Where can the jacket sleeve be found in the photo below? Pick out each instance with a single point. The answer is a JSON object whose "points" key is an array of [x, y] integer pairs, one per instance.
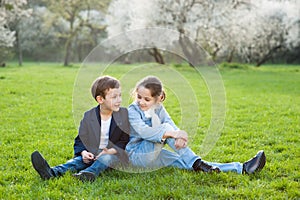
{"points": [[120, 147], [143, 130], [78, 145], [123, 131], [124, 139], [124, 128]]}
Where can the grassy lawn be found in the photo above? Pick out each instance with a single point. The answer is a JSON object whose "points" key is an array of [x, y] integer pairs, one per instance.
{"points": [[262, 112]]}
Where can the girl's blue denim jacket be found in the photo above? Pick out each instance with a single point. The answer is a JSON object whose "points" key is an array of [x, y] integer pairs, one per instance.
{"points": [[141, 127]]}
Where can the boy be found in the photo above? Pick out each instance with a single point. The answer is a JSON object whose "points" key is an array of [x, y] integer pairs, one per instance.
{"points": [[102, 136]]}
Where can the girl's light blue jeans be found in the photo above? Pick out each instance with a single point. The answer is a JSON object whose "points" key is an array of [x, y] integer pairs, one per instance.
{"points": [[154, 156]]}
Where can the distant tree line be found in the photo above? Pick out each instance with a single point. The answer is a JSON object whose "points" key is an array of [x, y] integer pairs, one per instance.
{"points": [[244, 31]]}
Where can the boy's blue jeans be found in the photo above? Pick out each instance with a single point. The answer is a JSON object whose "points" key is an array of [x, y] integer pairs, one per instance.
{"points": [[77, 165], [183, 158]]}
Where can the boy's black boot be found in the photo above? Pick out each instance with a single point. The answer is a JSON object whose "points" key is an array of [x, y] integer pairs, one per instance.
{"points": [[41, 166], [199, 165]]}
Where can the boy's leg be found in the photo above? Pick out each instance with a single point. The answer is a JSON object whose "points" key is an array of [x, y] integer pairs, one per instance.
{"points": [[46, 172], [102, 163], [74, 165]]}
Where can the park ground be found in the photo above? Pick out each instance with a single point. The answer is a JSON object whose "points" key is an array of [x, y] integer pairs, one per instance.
{"points": [[262, 112]]}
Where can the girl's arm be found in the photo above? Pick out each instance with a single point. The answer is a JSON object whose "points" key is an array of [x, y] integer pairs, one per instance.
{"points": [[106, 151], [141, 129], [180, 136], [163, 113], [176, 133]]}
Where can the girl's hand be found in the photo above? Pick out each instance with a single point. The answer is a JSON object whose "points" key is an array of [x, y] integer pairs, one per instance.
{"points": [[87, 157], [106, 151], [181, 139], [180, 143], [180, 134]]}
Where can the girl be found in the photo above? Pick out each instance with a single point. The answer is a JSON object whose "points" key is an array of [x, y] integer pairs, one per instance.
{"points": [[152, 128]]}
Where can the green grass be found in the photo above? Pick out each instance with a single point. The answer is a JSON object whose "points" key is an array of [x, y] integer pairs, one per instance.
{"points": [[262, 112]]}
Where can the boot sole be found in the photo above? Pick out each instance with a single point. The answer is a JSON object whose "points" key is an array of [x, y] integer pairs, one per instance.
{"points": [[85, 176]]}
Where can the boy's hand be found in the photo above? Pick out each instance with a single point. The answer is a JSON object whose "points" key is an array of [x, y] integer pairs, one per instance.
{"points": [[87, 157]]}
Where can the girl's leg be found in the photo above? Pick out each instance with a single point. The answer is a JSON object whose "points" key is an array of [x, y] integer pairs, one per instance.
{"points": [[164, 159], [191, 159], [76, 164], [146, 154], [185, 154], [151, 155], [228, 167], [171, 159]]}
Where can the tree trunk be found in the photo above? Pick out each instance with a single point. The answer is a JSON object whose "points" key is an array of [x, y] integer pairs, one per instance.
{"points": [[67, 52], [157, 55], [230, 57], [19, 49], [186, 51], [80, 51], [267, 56], [194, 54]]}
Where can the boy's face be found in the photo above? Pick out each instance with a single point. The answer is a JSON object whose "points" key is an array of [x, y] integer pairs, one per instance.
{"points": [[112, 100]]}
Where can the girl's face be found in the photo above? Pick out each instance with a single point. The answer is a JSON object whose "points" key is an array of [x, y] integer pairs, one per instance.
{"points": [[144, 98]]}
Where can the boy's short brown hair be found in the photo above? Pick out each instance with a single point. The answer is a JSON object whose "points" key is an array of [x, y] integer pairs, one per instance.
{"points": [[102, 84]]}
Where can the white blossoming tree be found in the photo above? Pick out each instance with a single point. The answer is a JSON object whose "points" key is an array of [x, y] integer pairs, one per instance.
{"points": [[268, 29], [124, 16], [77, 15], [253, 31], [11, 13]]}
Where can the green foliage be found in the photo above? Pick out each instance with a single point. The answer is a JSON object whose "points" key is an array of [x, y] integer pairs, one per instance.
{"points": [[5, 55], [226, 65], [263, 112], [8, 6]]}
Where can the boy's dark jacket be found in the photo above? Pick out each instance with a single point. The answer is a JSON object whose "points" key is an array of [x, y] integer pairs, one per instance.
{"points": [[88, 137]]}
